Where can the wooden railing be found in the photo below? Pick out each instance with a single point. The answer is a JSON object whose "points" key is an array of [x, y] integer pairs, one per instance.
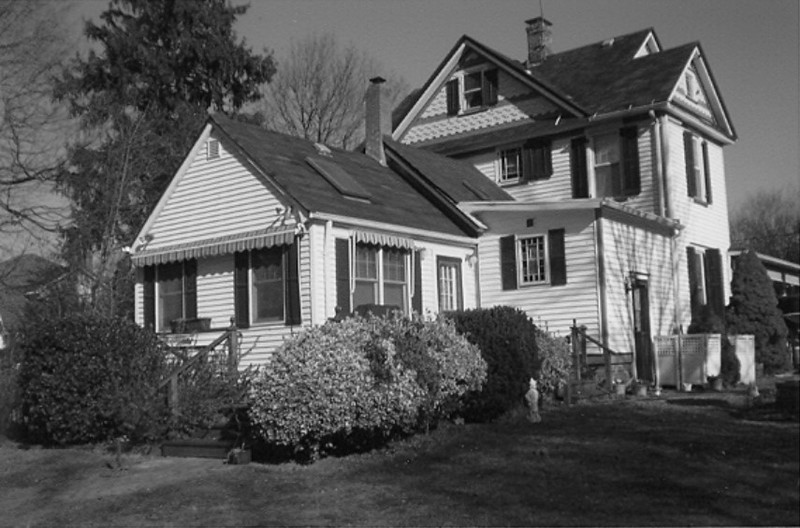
{"points": [[579, 339], [188, 360]]}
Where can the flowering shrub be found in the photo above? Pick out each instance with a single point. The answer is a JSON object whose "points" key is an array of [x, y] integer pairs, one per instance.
{"points": [[342, 382]]}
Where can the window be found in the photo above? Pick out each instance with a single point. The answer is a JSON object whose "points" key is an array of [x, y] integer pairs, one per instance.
{"points": [[170, 293], [267, 293], [528, 260], [380, 276], [706, 287], [448, 276], [213, 149], [266, 286], [532, 161], [616, 164], [510, 165], [474, 90], [698, 176]]}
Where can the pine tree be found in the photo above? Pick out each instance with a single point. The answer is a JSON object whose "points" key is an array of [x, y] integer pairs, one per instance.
{"points": [[754, 310]]}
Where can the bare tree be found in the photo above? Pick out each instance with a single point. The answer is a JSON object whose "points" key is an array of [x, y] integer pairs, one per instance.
{"points": [[32, 127], [318, 92], [769, 223]]}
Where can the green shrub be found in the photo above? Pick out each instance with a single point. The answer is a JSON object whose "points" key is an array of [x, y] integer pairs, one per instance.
{"points": [[356, 383], [85, 378], [707, 323], [9, 397], [753, 309], [556, 361], [320, 387], [507, 339]]}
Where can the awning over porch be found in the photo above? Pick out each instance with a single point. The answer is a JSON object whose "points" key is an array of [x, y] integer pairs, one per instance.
{"points": [[381, 239], [223, 245]]}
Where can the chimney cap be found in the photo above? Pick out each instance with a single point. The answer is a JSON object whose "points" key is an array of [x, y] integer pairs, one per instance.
{"points": [[377, 80], [537, 19]]}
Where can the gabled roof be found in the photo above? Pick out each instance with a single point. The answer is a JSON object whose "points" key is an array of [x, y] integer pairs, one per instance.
{"points": [[614, 75], [393, 196]]}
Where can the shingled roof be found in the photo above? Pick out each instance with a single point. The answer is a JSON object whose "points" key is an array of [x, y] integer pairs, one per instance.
{"points": [[393, 195], [605, 76]]}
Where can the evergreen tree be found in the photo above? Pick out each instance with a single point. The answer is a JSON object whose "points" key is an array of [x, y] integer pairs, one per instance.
{"points": [[754, 310], [161, 67]]}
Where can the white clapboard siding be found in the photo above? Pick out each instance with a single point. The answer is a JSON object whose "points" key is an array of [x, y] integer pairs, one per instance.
{"points": [[515, 102], [705, 226], [214, 198], [554, 306], [626, 250], [430, 283]]}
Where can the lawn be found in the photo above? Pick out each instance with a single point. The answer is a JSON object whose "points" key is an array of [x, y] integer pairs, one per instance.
{"points": [[695, 459]]}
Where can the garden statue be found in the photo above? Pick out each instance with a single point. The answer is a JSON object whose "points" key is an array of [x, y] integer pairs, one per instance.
{"points": [[532, 401]]}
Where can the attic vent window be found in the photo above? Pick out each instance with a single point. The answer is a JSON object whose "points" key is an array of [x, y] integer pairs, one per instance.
{"points": [[213, 149], [339, 178]]}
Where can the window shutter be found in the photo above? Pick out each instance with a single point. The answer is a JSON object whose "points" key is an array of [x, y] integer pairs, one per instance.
{"points": [[558, 259], [416, 300], [688, 149], [343, 275], [149, 297], [489, 87], [706, 172], [580, 178], [508, 262], [691, 262], [453, 103], [292, 290], [630, 158], [190, 289], [715, 288], [241, 289], [526, 155]]}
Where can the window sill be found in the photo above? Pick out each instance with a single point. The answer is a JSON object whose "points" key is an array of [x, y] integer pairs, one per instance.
{"points": [[471, 111], [533, 284], [700, 201], [510, 182]]}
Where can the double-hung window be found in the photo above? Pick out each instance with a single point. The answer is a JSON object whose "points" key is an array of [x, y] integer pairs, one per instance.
{"points": [[532, 161], [607, 172], [528, 260], [266, 286], [706, 281], [616, 165], [448, 276], [473, 90], [170, 293], [380, 276], [698, 175], [533, 260], [510, 165]]}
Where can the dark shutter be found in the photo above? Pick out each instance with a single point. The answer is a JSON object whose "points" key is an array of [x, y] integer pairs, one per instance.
{"points": [[537, 163], [688, 150], [489, 87], [343, 275], [149, 297], [508, 262], [190, 289], [292, 290], [558, 259], [691, 263], [580, 178], [416, 300], [631, 184], [715, 287], [526, 159], [706, 172], [241, 289], [453, 103]]}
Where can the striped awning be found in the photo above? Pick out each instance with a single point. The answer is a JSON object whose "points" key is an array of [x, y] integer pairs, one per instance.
{"points": [[380, 239], [223, 245]]}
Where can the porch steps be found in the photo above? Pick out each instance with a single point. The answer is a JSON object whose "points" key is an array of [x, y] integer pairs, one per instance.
{"points": [[213, 442]]}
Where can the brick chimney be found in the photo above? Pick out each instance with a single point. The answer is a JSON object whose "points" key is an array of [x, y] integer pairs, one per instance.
{"points": [[378, 120], [539, 38]]}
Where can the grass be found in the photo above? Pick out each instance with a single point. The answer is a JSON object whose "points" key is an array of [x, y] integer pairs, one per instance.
{"points": [[696, 459]]}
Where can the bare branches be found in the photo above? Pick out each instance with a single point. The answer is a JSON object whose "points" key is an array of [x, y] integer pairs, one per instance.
{"points": [[318, 92], [769, 223]]}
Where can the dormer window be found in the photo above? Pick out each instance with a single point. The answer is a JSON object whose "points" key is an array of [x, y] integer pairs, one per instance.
{"points": [[532, 161], [471, 91], [510, 165]]}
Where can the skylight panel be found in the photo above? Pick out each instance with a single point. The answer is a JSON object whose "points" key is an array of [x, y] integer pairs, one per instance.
{"points": [[339, 178]]}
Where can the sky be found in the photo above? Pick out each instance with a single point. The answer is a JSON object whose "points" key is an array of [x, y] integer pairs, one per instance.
{"points": [[751, 46]]}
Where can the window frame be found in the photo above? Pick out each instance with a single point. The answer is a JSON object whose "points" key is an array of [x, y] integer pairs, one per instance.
{"points": [[701, 170], [183, 294], [458, 95], [501, 157], [380, 281], [253, 283], [456, 289], [616, 183], [523, 263]]}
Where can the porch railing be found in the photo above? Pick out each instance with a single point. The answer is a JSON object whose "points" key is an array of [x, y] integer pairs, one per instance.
{"points": [[579, 340]]}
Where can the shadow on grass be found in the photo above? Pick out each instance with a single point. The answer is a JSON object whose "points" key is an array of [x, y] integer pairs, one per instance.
{"points": [[701, 402]]}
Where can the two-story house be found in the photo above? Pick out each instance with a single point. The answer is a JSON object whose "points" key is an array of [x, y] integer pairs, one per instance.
{"points": [[613, 151]]}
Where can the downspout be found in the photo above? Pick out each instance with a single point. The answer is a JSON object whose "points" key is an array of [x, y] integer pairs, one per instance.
{"points": [[326, 254], [601, 277], [658, 167]]}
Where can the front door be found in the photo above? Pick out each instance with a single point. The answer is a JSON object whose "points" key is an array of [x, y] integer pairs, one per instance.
{"points": [[641, 329]]}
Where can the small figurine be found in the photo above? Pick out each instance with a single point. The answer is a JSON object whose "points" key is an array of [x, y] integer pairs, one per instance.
{"points": [[532, 401]]}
